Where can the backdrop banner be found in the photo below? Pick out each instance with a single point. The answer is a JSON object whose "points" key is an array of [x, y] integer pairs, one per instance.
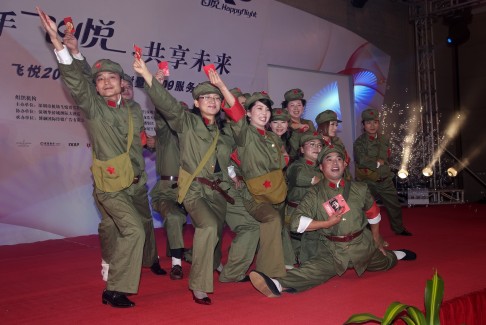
{"points": [[45, 180]]}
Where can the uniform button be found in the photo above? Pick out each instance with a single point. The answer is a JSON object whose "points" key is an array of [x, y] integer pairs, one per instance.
{"points": [[273, 145]]}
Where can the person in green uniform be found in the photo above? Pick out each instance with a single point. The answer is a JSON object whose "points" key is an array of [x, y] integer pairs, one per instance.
{"points": [[113, 125], [372, 153], [302, 174], [327, 125], [261, 153], [295, 103], [164, 193], [280, 125], [345, 239], [204, 158]]}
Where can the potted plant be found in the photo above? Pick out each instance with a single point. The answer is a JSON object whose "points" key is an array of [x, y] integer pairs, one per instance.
{"points": [[410, 315]]}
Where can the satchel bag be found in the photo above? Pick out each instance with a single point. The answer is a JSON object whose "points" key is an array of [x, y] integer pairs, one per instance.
{"points": [[185, 178], [270, 187], [115, 174]]}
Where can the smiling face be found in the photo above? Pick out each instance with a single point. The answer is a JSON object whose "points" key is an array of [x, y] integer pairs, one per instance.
{"points": [[333, 126], [259, 115], [332, 166], [127, 89], [209, 105], [311, 149], [279, 127], [295, 109], [108, 85], [371, 127]]}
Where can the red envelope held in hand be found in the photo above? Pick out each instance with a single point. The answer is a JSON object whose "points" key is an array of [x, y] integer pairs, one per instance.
{"points": [[138, 52], [207, 68], [68, 21], [164, 67]]}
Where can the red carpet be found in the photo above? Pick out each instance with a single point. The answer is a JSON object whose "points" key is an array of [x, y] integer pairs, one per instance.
{"points": [[59, 282]]}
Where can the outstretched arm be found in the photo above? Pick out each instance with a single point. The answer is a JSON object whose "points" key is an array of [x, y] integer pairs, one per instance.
{"points": [[50, 28], [141, 68]]}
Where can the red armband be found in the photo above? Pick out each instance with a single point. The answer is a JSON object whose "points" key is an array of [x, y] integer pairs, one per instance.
{"points": [[235, 157], [143, 138], [373, 212], [287, 160]]}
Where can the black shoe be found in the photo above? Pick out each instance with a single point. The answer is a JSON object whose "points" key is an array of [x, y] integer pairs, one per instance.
{"points": [[409, 255], [116, 299], [264, 284], [156, 269], [246, 278], [201, 301], [404, 232], [176, 272]]}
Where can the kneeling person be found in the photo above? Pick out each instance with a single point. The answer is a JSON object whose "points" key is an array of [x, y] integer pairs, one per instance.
{"points": [[345, 240]]}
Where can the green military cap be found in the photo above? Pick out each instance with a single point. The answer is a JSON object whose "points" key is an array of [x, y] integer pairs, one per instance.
{"points": [[326, 116], [370, 114], [280, 114], [127, 78], [308, 136], [205, 88], [293, 94], [236, 92], [257, 96], [247, 95], [327, 150], [106, 65]]}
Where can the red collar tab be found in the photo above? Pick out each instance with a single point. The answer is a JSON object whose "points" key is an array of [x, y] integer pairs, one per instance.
{"points": [[111, 103], [310, 162], [334, 185], [262, 132], [206, 121]]}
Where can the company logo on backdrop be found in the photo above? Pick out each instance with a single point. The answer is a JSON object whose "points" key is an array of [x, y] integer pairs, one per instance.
{"points": [[50, 144], [73, 144], [23, 144], [230, 6]]}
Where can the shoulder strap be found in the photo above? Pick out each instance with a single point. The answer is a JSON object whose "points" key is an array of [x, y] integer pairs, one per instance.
{"points": [[207, 155]]}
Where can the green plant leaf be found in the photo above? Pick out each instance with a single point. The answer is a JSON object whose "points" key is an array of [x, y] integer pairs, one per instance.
{"points": [[417, 316], [392, 312], [434, 292], [361, 318], [409, 321]]}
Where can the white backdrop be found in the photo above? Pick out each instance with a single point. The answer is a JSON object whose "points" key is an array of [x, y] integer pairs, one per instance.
{"points": [[45, 181]]}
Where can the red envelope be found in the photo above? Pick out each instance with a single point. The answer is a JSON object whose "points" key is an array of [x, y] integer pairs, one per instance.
{"points": [[164, 67], [336, 205], [138, 52], [207, 68], [68, 21]]}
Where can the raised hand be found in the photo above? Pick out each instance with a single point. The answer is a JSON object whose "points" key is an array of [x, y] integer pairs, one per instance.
{"points": [[71, 43], [50, 28]]}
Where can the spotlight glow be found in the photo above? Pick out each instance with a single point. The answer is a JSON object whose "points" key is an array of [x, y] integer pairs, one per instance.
{"points": [[452, 172], [402, 173], [427, 171]]}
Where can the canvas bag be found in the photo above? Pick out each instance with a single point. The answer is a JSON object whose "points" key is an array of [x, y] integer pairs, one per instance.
{"points": [[185, 178], [262, 192], [115, 174]]}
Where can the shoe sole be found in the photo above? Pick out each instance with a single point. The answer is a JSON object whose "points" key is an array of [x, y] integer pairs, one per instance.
{"points": [[260, 284], [106, 302]]}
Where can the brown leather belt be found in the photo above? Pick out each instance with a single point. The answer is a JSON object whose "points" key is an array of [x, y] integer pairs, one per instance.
{"points": [[346, 238], [214, 185], [292, 204], [136, 179], [170, 178]]}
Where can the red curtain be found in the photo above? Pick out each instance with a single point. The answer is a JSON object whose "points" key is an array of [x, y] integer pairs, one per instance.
{"points": [[469, 309]]}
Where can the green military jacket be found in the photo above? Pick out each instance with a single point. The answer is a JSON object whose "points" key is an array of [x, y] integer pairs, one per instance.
{"points": [[367, 150], [259, 154], [107, 125], [299, 178], [195, 138], [359, 250]]}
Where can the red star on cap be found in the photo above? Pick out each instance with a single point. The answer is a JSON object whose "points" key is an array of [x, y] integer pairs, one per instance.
{"points": [[98, 65], [279, 111], [263, 92], [267, 184], [110, 170], [296, 91]]}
